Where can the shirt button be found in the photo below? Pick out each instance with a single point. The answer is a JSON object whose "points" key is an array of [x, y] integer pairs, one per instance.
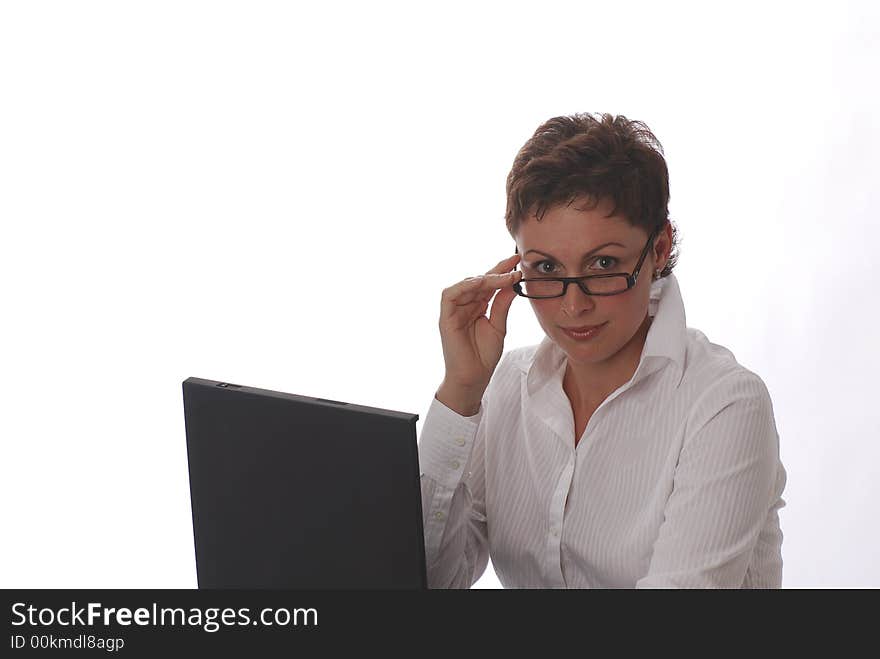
{"points": [[455, 464], [459, 441], [439, 514]]}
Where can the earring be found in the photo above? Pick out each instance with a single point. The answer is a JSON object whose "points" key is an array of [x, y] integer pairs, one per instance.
{"points": [[656, 274]]}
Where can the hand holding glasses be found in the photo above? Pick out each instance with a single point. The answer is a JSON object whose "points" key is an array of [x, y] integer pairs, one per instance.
{"points": [[473, 343]]}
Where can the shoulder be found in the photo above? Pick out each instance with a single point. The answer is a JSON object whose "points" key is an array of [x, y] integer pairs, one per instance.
{"points": [[520, 359], [714, 379], [709, 364]]}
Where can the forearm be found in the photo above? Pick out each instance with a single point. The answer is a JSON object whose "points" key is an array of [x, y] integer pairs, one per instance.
{"points": [[452, 477], [456, 544]]}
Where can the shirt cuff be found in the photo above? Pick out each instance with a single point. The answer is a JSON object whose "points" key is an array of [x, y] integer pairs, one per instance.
{"points": [[446, 443]]}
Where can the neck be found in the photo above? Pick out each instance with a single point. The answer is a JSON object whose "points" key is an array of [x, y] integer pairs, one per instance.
{"points": [[590, 384]]}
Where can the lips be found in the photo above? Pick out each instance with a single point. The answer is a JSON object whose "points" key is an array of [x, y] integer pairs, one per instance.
{"points": [[583, 328], [585, 332]]}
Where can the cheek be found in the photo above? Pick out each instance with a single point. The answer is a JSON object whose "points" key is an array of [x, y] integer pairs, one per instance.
{"points": [[544, 314], [617, 306], [626, 311], [620, 308], [544, 308]]}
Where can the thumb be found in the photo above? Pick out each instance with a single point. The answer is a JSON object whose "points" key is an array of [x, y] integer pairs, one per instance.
{"points": [[500, 308]]}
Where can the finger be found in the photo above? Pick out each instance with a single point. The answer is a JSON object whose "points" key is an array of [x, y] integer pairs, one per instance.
{"points": [[491, 284], [500, 309], [489, 281], [488, 295], [496, 283], [483, 287], [464, 295], [477, 288]]}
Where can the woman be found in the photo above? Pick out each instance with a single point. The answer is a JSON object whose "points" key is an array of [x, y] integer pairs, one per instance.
{"points": [[625, 450]]}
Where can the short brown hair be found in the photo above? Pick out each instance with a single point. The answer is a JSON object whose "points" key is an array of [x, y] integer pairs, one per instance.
{"points": [[596, 157]]}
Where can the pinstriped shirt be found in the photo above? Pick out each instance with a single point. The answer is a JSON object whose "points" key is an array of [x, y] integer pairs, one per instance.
{"points": [[676, 481]]}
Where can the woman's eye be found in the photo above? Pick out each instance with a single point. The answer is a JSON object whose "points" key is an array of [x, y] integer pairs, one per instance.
{"points": [[609, 260], [548, 267]]}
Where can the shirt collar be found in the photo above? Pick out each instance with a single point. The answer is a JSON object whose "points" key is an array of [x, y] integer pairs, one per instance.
{"points": [[666, 341]]}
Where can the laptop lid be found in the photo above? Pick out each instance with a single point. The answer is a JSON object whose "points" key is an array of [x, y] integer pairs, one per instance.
{"points": [[289, 491]]}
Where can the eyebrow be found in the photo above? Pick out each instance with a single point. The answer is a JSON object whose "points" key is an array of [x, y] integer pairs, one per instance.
{"points": [[590, 253]]}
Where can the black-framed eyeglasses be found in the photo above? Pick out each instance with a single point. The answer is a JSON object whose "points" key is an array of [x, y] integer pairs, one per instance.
{"points": [[542, 288]]}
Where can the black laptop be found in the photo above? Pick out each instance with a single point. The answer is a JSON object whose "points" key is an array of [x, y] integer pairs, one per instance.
{"points": [[290, 491]]}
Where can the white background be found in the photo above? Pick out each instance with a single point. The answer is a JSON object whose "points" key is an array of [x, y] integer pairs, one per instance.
{"points": [[275, 195]]}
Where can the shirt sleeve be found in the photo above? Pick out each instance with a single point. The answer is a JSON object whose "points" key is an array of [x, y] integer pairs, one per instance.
{"points": [[451, 460], [726, 492]]}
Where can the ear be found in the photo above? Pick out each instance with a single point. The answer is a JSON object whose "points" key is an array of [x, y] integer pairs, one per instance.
{"points": [[662, 246]]}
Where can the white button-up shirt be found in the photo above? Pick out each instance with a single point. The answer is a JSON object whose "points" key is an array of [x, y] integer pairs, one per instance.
{"points": [[676, 481]]}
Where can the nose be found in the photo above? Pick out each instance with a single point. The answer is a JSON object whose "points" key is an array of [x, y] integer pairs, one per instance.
{"points": [[575, 301]]}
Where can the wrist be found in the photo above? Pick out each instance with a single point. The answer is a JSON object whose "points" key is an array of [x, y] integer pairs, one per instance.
{"points": [[464, 401]]}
